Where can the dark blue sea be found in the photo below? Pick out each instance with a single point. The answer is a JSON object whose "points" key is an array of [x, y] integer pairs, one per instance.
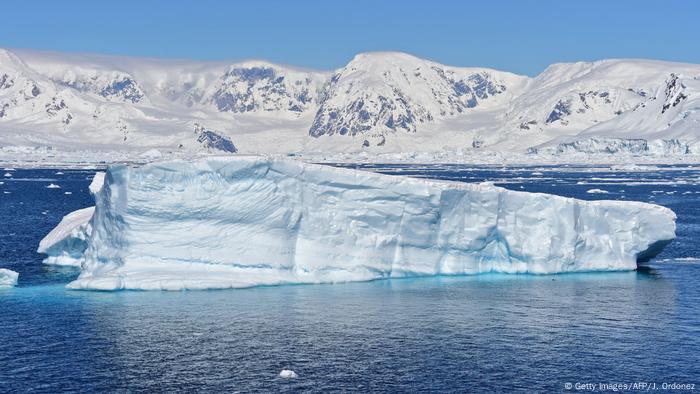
{"points": [[487, 333]]}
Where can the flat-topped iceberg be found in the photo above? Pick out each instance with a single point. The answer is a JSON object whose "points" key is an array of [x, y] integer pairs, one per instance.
{"points": [[244, 221]]}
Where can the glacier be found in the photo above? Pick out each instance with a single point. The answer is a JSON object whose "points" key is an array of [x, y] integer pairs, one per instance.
{"points": [[8, 278], [234, 222]]}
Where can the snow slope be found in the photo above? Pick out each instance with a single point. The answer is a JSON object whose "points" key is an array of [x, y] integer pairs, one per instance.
{"points": [[380, 94], [105, 103], [668, 122], [379, 103], [229, 222]]}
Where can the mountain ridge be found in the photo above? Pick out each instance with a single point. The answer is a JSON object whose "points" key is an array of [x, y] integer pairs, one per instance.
{"points": [[380, 102]]}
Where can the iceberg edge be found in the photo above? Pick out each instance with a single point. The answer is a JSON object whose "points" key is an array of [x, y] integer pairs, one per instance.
{"points": [[238, 222]]}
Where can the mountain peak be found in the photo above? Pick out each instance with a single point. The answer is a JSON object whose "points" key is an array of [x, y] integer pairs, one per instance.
{"points": [[383, 101]]}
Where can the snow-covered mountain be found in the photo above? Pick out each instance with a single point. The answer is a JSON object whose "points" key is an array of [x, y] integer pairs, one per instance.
{"points": [[378, 94], [667, 122], [610, 101], [378, 103]]}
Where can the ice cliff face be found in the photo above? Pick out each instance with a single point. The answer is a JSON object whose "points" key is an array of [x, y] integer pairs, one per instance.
{"points": [[246, 221]]}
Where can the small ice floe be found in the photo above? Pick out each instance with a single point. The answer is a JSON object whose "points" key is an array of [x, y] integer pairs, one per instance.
{"points": [[68, 193], [9, 278], [692, 260], [597, 191], [8, 175], [288, 374], [8, 169], [6, 192], [687, 259], [59, 173], [633, 167], [2, 183], [537, 173], [53, 186]]}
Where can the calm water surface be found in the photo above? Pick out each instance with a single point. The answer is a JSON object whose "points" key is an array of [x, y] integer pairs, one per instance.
{"points": [[465, 334]]}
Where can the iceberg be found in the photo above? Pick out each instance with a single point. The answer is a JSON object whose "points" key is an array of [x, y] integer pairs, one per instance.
{"points": [[288, 374], [8, 278], [66, 243], [596, 191], [233, 222]]}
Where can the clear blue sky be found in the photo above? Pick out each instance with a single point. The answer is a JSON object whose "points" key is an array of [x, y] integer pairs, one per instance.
{"points": [[520, 36]]}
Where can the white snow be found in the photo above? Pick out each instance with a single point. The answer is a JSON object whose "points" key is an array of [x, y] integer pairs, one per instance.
{"points": [[152, 154], [8, 278], [53, 186], [288, 374], [97, 181], [66, 243], [245, 221], [75, 109]]}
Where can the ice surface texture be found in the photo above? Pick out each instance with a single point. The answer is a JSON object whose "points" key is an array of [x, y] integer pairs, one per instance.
{"points": [[66, 243], [246, 221], [8, 278]]}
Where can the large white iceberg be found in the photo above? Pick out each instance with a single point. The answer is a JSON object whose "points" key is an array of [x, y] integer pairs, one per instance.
{"points": [[245, 221], [66, 243], [8, 278]]}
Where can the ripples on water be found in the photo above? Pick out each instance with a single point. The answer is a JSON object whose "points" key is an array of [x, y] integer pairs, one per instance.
{"points": [[480, 333]]}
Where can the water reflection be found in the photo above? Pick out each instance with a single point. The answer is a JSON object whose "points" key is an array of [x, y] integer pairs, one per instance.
{"points": [[429, 333]]}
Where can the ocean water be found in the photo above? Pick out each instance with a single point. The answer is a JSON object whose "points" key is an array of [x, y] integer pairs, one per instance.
{"points": [[486, 333]]}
